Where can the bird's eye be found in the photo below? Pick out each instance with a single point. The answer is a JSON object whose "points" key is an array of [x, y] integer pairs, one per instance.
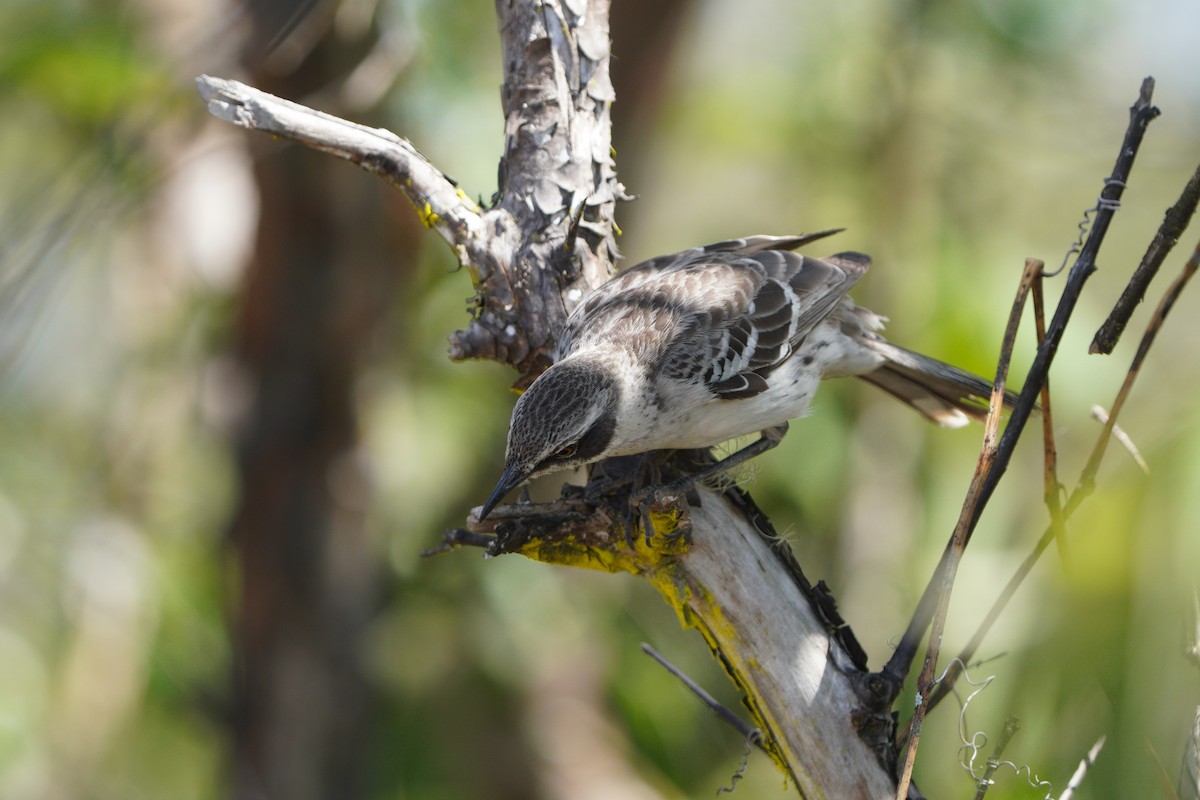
{"points": [[567, 452]]}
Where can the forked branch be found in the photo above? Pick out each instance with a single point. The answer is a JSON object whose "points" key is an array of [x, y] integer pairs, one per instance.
{"points": [[546, 239], [437, 198]]}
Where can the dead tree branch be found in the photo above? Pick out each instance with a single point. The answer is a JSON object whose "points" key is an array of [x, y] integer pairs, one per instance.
{"points": [[1175, 221], [550, 235], [733, 585], [441, 204], [546, 239]]}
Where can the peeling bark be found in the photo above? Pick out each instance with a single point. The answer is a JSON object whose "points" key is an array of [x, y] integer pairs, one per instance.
{"points": [[549, 237]]}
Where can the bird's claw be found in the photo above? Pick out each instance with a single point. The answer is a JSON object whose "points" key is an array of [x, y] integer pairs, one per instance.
{"points": [[663, 503]]}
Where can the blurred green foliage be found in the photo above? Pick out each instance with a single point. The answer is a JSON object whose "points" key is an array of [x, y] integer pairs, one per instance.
{"points": [[952, 139]]}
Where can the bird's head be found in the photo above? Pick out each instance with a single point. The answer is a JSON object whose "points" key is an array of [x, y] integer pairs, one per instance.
{"points": [[565, 418]]}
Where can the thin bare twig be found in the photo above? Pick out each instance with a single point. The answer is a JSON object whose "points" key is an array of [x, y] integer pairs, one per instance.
{"points": [[454, 538], [1081, 771], [1051, 487], [1173, 225], [1011, 726], [1087, 479], [1141, 113], [1099, 414], [958, 543], [749, 733]]}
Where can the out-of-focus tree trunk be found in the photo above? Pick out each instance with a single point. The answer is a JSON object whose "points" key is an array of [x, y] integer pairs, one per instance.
{"points": [[313, 294], [646, 36]]}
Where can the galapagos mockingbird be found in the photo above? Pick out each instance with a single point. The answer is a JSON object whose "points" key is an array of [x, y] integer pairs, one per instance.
{"points": [[692, 349]]}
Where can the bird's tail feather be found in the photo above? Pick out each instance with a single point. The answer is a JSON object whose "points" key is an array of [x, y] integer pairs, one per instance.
{"points": [[945, 394]]}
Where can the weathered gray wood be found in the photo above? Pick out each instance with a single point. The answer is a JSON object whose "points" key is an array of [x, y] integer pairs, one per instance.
{"points": [[548, 238], [730, 584]]}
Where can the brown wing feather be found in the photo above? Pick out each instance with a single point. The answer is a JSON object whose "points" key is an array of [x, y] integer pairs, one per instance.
{"points": [[724, 315]]}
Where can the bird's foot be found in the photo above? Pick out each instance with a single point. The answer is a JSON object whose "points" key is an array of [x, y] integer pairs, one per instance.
{"points": [[662, 511], [658, 507]]}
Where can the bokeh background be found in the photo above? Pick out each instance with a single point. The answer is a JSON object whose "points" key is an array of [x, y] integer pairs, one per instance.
{"points": [[228, 425]]}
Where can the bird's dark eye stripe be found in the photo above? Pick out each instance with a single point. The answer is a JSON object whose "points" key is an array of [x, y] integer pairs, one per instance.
{"points": [[598, 436]]}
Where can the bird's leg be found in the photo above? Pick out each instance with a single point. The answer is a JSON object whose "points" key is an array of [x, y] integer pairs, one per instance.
{"points": [[622, 472], [637, 475], [768, 439], [645, 478]]}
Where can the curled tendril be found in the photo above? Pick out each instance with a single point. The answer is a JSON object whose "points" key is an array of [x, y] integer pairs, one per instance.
{"points": [[1085, 225], [969, 751], [743, 764]]}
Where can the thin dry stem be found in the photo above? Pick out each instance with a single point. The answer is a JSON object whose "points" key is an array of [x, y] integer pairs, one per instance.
{"points": [[958, 543], [1011, 726], [1175, 221], [1081, 771], [1087, 478], [1101, 416], [1141, 113], [1051, 487], [1087, 481], [726, 715]]}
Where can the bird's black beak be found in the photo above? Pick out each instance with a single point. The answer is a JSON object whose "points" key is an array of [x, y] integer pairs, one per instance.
{"points": [[510, 479]]}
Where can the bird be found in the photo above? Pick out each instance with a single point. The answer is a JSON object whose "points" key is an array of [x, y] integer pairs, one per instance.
{"points": [[693, 349]]}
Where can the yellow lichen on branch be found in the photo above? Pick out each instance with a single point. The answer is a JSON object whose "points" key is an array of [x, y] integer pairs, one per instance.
{"points": [[697, 608]]}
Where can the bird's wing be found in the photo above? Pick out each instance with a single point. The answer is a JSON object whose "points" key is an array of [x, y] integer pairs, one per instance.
{"points": [[724, 315]]}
